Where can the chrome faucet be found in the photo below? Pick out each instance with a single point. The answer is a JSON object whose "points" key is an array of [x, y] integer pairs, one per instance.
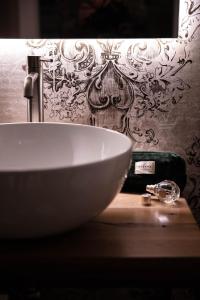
{"points": [[33, 89]]}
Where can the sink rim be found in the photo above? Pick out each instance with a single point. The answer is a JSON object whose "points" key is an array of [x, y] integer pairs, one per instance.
{"points": [[69, 167]]}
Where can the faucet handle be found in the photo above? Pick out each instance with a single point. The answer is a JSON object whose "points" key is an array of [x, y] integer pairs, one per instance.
{"points": [[34, 62], [44, 59]]}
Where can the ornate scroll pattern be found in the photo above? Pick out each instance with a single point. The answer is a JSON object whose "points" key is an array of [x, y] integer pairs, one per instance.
{"points": [[193, 152], [80, 53], [115, 94], [155, 66], [75, 82], [190, 23], [64, 87], [110, 92]]}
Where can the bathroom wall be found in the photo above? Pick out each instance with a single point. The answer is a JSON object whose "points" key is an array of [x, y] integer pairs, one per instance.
{"points": [[147, 89]]}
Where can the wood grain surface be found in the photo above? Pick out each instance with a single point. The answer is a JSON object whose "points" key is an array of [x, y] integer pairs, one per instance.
{"points": [[127, 242]]}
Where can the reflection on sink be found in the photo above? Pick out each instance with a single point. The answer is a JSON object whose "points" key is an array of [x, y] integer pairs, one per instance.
{"points": [[55, 177]]}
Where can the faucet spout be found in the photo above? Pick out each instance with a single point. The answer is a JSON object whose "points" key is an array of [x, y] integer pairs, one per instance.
{"points": [[33, 90], [29, 83]]}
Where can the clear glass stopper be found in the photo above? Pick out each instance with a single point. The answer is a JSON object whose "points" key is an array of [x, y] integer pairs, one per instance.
{"points": [[167, 191]]}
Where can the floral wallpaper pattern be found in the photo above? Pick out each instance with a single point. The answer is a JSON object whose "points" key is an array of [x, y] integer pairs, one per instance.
{"points": [[114, 83], [145, 88]]}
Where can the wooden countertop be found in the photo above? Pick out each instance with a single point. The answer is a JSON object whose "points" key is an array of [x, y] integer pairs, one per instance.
{"points": [[128, 242]]}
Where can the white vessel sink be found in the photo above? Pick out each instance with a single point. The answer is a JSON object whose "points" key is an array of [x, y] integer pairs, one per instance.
{"points": [[55, 177]]}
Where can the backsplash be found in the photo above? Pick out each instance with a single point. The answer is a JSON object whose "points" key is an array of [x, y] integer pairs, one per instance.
{"points": [[147, 89]]}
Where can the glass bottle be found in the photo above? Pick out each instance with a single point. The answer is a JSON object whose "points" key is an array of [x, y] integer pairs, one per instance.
{"points": [[167, 191]]}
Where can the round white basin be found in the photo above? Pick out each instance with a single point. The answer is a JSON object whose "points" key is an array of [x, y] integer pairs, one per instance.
{"points": [[55, 177]]}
